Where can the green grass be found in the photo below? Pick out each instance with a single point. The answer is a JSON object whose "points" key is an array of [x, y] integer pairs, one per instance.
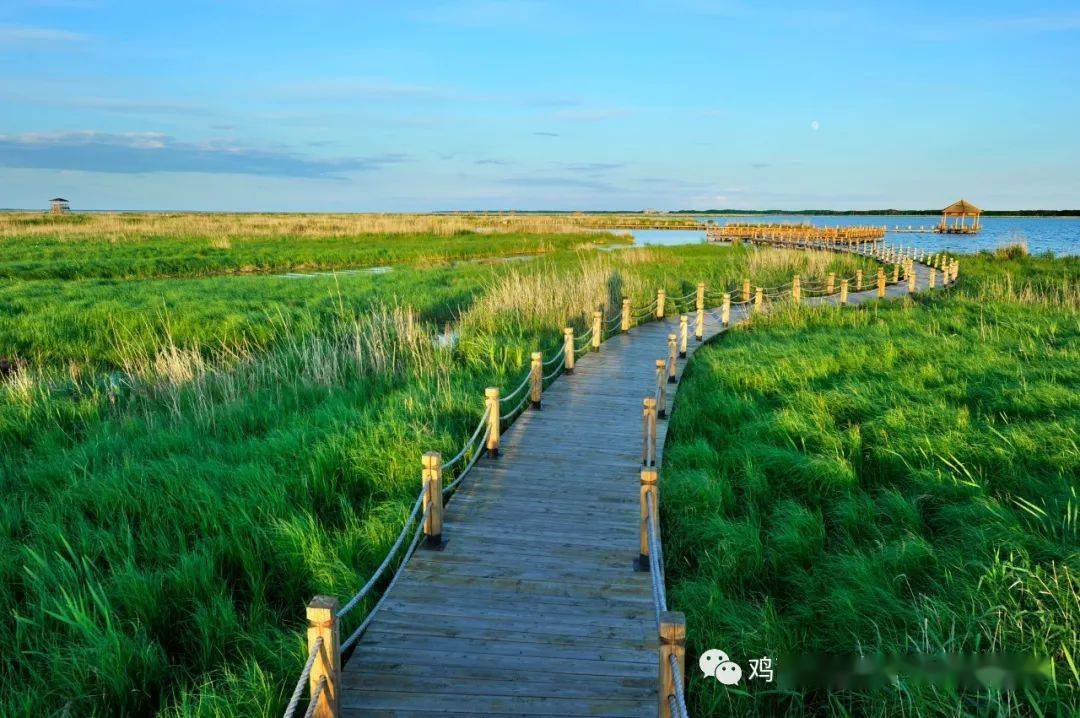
{"points": [[157, 544], [894, 479], [136, 246], [110, 323]]}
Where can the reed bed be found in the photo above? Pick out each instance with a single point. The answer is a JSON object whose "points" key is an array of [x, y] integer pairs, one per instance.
{"points": [[119, 227], [893, 481], [170, 507]]}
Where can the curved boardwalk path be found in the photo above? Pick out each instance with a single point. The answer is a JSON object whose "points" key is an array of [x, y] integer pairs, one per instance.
{"points": [[533, 606]]}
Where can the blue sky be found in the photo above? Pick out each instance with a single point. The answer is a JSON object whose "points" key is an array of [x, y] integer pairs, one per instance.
{"points": [[536, 104]]}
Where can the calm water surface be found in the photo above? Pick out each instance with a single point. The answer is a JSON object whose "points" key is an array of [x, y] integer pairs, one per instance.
{"points": [[1042, 234]]}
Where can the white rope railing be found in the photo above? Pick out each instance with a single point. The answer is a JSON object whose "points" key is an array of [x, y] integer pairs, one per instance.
{"points": [[556, 371], [294, 700], [468, 444], [524, 383], [315, 695], [679, 697], [513, 412], [464, 472], [386, 561], [559, 355], [355, 636], [655, 563]]}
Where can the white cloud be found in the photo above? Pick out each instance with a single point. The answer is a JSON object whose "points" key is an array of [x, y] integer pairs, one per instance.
{"points": [[26, 34], [142, 152]]}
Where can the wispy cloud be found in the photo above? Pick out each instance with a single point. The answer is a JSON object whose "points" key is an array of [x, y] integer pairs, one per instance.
{"points": [[28, 35], [560, 182], [591, 115], [345, 88], [546, 134], [156, 152], [137, 107], [593, 167]]}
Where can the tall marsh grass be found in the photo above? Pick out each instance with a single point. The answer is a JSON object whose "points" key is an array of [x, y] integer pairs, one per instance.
{"points": [[890, 480], [160, 534], [128, 226]]}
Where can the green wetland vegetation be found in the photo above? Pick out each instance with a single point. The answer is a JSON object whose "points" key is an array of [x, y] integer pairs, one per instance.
{"points": [[186, 461], [897, 479], [138, 246]]}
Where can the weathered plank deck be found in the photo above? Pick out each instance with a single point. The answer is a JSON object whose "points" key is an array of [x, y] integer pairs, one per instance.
{"points": [[533, 606]]}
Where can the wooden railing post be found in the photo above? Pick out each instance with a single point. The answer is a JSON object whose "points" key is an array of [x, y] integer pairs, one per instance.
{"points": [[536, 379], [433, 499], [759, 298], [895, 274], [661, 297], [699, 325], [796, 289], [624, 324], [648, 431], [491, 396], [700, 304], [911, 276], [672, 350], [725, 310], [597, 329], [684, 331], [931, 280], [881, 282], [858, 280], [830, 285], [323, 623], [843, 291], [661, 392], [672, 643], [746, 290], [568, 348], [955, 269], [649, 488]]}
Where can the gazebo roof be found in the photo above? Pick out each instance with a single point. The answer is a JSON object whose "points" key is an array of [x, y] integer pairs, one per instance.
{"points": [[961, 207], [58, 199]]}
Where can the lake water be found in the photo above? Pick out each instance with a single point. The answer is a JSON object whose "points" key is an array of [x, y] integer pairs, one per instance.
{"points": [[1042, 234]]}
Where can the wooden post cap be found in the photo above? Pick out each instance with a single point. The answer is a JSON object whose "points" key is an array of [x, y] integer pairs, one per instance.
{"points": [[672, 628], [431, 459], [492, 392], [321, 608]]}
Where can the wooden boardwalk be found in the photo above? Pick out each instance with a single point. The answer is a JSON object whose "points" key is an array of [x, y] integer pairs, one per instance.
{"points": [[533, 606]]}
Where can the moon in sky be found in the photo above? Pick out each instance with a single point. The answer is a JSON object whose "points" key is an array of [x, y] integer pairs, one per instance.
{"points": [[815, 125]]}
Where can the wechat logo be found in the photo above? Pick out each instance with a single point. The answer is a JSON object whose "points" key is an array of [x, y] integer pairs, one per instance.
{"points": [[716, 664]]}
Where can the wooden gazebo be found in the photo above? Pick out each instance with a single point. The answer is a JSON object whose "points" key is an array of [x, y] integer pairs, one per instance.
{"points": [[59, 205], [958, 212]]}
